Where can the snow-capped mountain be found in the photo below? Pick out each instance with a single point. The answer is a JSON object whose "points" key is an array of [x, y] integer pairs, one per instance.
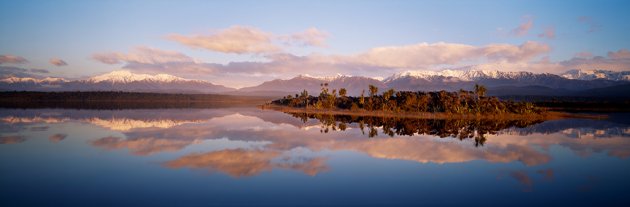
{"points": [[498, 83], [125, 76], [121, 80], [353, 84], [504, 83], [458, 79], [597, 74], [47, 80], [459, 75]]}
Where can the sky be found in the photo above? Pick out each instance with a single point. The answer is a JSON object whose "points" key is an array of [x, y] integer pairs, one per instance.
{"points": [[244, 43]]}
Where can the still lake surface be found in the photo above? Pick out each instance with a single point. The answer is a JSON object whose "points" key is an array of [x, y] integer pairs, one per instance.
{"points": [[242, 156]]}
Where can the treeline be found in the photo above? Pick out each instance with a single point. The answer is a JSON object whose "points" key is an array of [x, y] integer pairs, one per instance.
{"points": [[122, 100], [460, 102]]}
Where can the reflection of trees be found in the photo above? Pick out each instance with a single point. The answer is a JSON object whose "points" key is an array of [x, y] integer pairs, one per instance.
{"points": [[476, 129]]}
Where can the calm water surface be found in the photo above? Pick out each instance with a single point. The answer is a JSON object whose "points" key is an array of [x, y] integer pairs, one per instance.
{"points": [[244, 156]]}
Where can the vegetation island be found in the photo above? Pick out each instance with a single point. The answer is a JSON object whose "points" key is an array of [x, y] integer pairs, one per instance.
{"points": [[440, 104]]}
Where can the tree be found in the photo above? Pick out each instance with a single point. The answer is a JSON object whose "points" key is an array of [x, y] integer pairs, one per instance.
{"points": [[362, 98], [304, 96], [480, 90], [373, 90], [386, 96], [342, 92]]}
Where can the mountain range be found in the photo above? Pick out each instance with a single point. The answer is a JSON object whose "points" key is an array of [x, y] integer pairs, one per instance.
{"points": [[573, 82]]}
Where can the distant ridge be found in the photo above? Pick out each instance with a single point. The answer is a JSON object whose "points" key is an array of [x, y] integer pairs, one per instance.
{"points": [[121, 80], [498, 83]]}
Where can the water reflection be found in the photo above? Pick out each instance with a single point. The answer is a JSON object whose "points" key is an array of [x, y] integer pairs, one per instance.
{"points": [[240, 162], [476, 129], [250, 141]]}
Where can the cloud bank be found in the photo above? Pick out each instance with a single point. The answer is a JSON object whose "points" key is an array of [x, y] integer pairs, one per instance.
{"points": [[250, 40], [12, 59]]}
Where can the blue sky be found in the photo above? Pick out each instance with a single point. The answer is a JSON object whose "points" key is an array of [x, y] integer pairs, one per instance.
{"points": [[75, 31]]}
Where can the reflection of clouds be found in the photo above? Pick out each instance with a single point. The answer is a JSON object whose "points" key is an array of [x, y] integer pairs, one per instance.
{"points": [[575, 128], [425, 150], [524, 179], [144, 146], [547, 173], [237, 162], [502, 148], [614, 146], [240, 162], [14, 139], [283, 134], [55, 138]]}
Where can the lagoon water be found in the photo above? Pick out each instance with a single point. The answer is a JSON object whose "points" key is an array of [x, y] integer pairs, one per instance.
{"points": [[247, 156]]}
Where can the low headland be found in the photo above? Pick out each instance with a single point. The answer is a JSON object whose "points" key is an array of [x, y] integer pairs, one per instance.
{"points": [[461, 104], [123, 100]]}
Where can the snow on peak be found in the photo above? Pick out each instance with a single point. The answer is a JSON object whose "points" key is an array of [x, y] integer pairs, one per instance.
{"points": [[125, 76], [463, 75], [579, 74], [46, 80], [324, 78]]}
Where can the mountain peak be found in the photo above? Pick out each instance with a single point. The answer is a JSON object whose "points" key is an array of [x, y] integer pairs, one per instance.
{"points": [[579, 74], [323, 78], [45, 80], [462, 75], [125, 76]]}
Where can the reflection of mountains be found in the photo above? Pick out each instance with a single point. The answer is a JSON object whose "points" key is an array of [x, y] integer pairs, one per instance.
{"points": [[458, 128], [118, 120], [248, 141], [127, 120], [477, 129], [272, 144], [577, 128]]}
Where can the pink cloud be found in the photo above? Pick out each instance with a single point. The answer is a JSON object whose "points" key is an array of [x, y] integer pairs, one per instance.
{"points": [[250, 40], [144, 55], [550, 33], [426, 55], [616, 60], [12, 59], [235, 39], [310, 37], [380, 61], [620, 54], [524, 27], [57, 62]]}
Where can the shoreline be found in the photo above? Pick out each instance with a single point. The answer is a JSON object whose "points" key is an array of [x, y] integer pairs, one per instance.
{"points": [[550, 115]]}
